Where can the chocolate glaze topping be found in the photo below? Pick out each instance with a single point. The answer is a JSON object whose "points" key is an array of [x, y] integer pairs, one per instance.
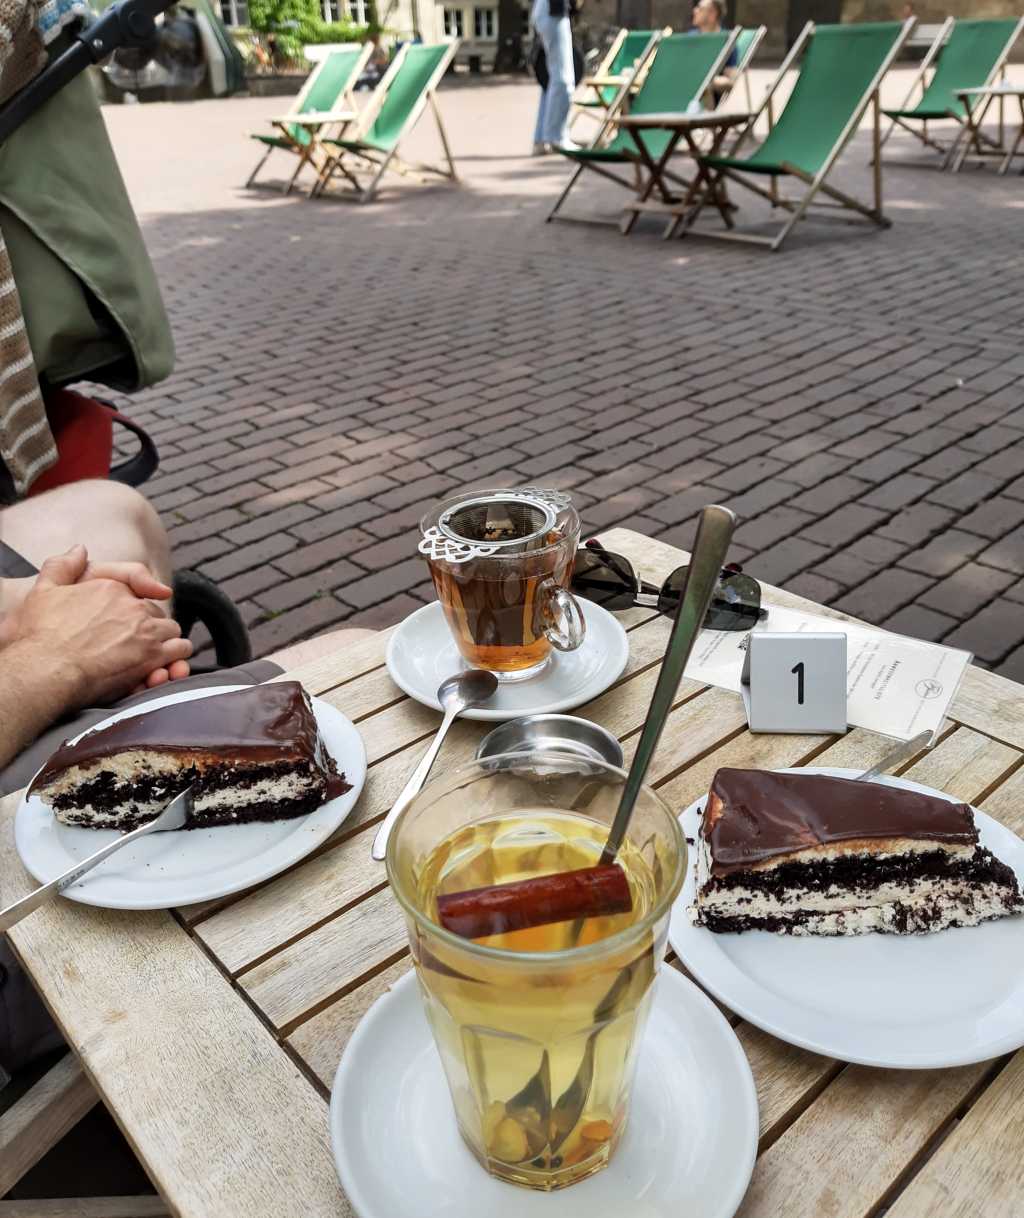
{"points": [[263, 723], [754, 815]]}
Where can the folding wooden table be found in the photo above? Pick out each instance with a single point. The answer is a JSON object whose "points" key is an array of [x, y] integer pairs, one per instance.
{"points": [[212, 1033]]}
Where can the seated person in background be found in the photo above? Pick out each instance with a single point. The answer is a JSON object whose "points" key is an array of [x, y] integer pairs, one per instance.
{"points": [[107, 598], [87, 630], [709, 18]]}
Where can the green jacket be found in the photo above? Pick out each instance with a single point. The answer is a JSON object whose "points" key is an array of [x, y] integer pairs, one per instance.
{"points": [[88, 291]]}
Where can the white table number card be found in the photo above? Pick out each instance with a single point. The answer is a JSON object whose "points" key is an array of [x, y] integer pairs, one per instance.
{"points": [[795, 682]]}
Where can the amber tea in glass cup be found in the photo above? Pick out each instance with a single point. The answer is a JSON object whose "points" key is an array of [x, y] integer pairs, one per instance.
{"points": [[501, 562], [539, 1029]]}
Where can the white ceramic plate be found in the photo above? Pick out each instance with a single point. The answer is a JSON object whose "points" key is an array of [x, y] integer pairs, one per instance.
{"points": [[909, 1002], [689, 1147], [170, 869], [422, 653]]}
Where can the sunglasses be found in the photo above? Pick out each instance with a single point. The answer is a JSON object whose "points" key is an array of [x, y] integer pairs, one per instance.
{"points": [[609, 580]]}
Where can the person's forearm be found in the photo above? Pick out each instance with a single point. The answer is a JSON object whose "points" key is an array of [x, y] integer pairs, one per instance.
{"points": [[35, 690]]}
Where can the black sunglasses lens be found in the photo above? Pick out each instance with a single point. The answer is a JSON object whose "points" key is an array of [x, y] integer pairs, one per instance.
{"points": [[605, 578], [736, 604]]}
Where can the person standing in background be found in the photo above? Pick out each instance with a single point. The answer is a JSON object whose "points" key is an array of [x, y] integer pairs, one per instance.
{"points": [[551, 24]]}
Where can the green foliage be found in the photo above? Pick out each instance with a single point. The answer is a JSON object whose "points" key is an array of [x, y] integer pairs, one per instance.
{"points": [[296, 23]]}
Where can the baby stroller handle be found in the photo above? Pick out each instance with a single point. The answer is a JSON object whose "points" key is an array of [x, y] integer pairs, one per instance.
{"points": [[128, 23]]}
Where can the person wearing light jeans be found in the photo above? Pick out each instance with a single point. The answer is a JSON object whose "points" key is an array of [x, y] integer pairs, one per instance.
{"points": [[551, 22]]}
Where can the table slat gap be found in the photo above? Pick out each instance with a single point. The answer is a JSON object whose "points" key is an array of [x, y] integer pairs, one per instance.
{"points": [[399, 697], [291, 1026], [697, 758], [842, 1154], [309, 930], [978, 1168], [929, 1150], [1004, 777], [831, 1070]]}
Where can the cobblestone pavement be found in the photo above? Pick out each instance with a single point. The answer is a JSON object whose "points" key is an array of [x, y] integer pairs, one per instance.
{"points": [[857, 398]]}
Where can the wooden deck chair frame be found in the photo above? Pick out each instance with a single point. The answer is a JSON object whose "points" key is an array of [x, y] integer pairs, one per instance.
{"points": [[949, 151], [816, 183], [603, 72], [743, 70], [603, 69], [970, 132], [313, 151], [620, 100], [37, 1121], [380, 162]]}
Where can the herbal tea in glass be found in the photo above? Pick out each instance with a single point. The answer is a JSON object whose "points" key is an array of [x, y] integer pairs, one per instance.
{"points": [[538, 1028]]}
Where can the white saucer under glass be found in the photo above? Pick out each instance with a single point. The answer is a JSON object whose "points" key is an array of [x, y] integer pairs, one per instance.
{"points": [[689, 1147], [422, 653]]}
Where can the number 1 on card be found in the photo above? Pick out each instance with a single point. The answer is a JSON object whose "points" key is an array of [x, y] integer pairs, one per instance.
{"points": [[798, 672]]}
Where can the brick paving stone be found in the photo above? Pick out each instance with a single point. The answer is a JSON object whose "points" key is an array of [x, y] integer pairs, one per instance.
{"points": [[969, 588], [320, 553], [916, 524], [371, 589], [866, 456], [898, 492], [920, 623], [943, 554], [307, 587], [994, 518], [1007, 553], [844, 525], [883, 593], [763, 531], [815, 587], [241, 559], [965, 491], [781, 562], [991, 634]]}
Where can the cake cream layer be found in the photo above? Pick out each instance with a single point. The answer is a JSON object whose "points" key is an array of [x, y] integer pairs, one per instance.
{"points": [[219, 805], [957, 905]]}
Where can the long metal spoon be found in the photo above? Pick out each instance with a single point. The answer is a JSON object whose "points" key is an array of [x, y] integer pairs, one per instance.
{"points": [[714, 532], [173, 816], [457, 694]]}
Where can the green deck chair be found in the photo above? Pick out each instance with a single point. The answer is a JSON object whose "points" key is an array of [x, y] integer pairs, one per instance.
{"points": [[625, 52], [408, 87], [747, 43], [969, 55], [841, 73], [680, 72], [331, 81]]}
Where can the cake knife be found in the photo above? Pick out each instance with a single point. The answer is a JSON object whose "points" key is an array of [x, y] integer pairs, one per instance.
{"points": [[173, 816], [906, 748]]}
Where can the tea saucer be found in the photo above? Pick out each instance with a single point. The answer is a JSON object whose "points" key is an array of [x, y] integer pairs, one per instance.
{"points": [[689, 1147], [422, 653]]}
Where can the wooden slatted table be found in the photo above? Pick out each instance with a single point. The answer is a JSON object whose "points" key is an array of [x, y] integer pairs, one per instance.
{"points": [[212, 1033]]}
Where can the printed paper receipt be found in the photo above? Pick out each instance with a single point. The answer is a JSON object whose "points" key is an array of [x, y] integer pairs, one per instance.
{"points": [[895, 685]]}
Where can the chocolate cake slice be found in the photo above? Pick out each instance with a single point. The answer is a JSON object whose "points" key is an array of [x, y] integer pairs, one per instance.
{"points": [[806, 854], [251, 755]]}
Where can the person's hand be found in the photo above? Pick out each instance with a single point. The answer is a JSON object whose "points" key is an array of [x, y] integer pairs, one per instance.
{"points": [[95, 635], [146, 586]]}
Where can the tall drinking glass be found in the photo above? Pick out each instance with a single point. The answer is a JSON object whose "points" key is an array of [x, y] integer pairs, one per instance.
{"points": [[538, 1029]]}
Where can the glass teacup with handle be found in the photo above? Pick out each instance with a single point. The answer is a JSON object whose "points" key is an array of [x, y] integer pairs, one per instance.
{"points": [[501, 562], [539, 1028]]}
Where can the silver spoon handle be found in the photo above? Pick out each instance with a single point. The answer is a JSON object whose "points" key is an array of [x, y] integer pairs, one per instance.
{"points": [[14, 913], [714, 532], [412, 787]]}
